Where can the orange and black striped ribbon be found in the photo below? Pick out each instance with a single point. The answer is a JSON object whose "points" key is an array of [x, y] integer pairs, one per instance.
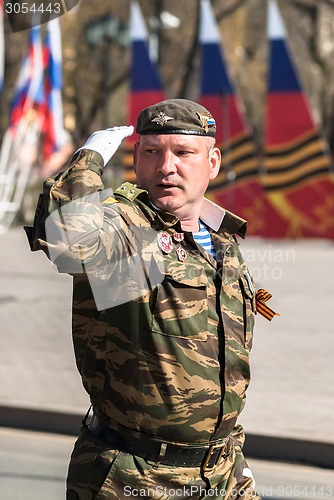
{"points": [[289, 165], [261, 297]]}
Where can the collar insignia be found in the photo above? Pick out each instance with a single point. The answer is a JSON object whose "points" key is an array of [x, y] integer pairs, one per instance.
{"points": [[161, 119], [206, 121]]}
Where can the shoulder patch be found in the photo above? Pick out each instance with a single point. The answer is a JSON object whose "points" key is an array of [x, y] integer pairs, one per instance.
{"points": [[129, 191]]}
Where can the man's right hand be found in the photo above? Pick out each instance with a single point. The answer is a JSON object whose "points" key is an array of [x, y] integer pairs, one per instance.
{"points": [[106, 142]]}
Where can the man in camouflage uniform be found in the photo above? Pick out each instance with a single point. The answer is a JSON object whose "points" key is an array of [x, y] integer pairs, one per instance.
{"points": [[162, 328]]}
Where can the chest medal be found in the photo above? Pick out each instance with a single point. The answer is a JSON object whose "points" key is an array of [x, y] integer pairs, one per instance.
{"points": [[178, 237], [181, 254], [165, 242]]}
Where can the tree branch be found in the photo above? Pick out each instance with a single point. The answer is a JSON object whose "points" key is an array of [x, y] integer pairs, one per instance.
{"points": [[189, 62]]}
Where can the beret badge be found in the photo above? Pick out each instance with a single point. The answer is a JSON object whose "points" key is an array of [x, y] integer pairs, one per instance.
{"points": [[206, 120], [161, 119]]}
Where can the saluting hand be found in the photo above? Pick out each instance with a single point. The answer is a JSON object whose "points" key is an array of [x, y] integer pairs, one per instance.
{"points": [[107, 141]]}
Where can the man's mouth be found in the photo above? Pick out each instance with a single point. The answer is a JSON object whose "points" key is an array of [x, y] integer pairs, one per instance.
{"points": [[167, 185]]}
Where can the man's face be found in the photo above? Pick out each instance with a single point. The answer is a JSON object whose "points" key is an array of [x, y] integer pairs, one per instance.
{"points": [[176, 169]]}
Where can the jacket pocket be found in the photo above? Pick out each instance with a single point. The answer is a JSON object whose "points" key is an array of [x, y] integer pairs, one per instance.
{"points": [[180, 306]]}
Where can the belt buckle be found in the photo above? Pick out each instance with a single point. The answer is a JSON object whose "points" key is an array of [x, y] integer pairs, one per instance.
{"points": [[222, 448]]}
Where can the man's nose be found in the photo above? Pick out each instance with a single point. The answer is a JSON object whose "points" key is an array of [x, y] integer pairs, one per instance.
{"points": [[167, 163]]}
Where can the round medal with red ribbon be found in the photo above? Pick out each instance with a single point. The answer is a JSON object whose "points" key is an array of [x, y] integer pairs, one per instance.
{"points": [[165, 242]]}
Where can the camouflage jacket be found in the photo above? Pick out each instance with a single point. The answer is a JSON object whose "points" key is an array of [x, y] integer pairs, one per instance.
{"points": [[169, 358]]}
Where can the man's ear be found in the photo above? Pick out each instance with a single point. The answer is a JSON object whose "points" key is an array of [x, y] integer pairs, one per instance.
{"points": [[215, 160]]}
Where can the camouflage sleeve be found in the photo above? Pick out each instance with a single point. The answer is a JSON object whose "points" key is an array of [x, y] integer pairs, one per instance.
{"points": [[69, 215], [84, 230]]}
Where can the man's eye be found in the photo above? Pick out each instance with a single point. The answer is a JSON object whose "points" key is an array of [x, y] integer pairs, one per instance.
{"points": [[151, 151], [183, 152]]}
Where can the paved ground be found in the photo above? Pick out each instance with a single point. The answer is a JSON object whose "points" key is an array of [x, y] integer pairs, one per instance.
{"points": [[291, 396]]}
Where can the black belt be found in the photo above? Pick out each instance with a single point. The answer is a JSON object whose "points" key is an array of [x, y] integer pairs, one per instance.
{"points": [[205, 456]]}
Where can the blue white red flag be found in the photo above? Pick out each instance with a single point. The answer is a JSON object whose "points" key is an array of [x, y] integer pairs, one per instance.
{"points": [[54, 135], [298, 166], [237, 186], [29, 92], [145, 85]]}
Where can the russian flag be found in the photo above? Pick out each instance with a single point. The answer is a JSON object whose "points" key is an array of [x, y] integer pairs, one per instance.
{"points": [[29, 91], [298, 167], [285, 91], [145, 85], [54, 134], [237, 185]]}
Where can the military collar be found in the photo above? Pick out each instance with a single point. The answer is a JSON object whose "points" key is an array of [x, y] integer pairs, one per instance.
{"points": [[214, 216], [221, 220]]}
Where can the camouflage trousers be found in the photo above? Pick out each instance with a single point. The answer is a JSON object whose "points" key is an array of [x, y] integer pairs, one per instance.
{"points": [[97, 472]]}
